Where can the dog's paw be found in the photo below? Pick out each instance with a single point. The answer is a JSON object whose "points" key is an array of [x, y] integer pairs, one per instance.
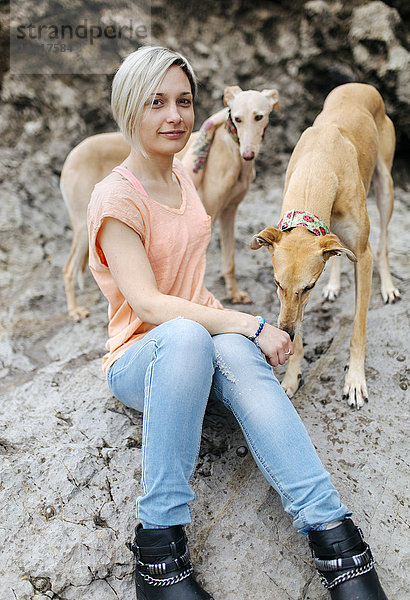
{"points": [[240, 297], [330, 292], [355, 390], [79, 313], [390, 295], [290, 384]]}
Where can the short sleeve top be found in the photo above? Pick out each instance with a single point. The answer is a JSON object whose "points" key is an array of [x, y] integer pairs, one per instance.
{"points": [[175, 240]]}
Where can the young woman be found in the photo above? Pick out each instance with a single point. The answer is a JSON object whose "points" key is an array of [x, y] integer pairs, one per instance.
{"points": [[172, 344]]}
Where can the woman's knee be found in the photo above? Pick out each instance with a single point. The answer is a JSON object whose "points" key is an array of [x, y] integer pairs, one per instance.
{"points": [[237, 350], [240, 361], [183, 363], [189, 338]]}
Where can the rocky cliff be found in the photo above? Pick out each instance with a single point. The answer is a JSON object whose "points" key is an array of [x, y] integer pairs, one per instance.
{"points": [[303, 48]]}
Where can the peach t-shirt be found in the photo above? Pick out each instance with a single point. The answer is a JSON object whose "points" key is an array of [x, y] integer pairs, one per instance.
{"points": [[175, 240]]}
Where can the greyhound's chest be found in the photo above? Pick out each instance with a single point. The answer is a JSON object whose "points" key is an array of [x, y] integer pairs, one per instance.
{"points": [[346, 229]]}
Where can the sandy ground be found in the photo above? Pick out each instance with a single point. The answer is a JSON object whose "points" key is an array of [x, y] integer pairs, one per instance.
{"points": [[70, 453]]}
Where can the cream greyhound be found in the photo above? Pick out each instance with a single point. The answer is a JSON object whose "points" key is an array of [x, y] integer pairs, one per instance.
{"points": [[328, 177], [222, 169]]}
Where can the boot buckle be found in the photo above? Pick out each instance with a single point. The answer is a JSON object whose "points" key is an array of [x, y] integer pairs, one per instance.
{"points": [[135, 549], [154, 569]]}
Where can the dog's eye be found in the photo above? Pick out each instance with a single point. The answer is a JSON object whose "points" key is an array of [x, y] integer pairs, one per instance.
{"points": [[277, 284], [309, 287], [258, 117], [238, 120]]}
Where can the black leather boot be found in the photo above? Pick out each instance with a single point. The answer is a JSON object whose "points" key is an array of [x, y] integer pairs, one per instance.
{"points": [[345, 563], [164, 570]]}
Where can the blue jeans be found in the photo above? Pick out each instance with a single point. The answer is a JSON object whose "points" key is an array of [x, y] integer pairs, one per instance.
{"points": [[169, 376]]}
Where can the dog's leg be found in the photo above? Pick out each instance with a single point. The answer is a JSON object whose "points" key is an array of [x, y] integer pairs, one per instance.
{"points": [[355, 389], [332, 288], [227, 235], [292, 376], [76, 261], [383, 185]]}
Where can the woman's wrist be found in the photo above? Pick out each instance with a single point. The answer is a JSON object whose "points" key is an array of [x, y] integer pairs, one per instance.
{"points": [[261, 324], [249, 326]]}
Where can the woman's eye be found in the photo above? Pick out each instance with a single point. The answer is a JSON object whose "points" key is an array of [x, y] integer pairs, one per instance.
{"points": [[185, 101], [156, 102], [258, 117]]}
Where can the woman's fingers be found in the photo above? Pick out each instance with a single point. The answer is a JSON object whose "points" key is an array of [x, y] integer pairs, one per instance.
{"points": [[289, 350], [276, 345], [283, 349]]}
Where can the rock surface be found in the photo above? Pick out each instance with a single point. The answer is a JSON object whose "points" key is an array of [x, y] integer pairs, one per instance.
{"points": [[70, 453]]}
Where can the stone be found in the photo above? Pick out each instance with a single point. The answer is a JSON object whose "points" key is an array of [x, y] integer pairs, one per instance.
{"points": [[10, 210]]}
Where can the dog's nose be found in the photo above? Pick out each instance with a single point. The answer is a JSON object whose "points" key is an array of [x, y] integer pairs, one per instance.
{"points": [[248, 155]]}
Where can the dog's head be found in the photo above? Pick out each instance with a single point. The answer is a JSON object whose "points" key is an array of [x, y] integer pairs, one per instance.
{"points": [[298, 259], [250, 114]]}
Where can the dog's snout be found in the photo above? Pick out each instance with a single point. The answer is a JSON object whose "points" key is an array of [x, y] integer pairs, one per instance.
{"points": [[248, 155]]}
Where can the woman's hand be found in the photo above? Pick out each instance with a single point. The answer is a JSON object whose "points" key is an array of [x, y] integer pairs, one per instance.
{"points": [[275, 344]]}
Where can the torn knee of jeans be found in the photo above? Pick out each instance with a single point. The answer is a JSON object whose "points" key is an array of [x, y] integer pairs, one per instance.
{"points": [[223, 367]]}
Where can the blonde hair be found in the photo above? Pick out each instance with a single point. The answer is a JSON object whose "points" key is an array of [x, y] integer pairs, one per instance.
{"points": [[136, 80]]}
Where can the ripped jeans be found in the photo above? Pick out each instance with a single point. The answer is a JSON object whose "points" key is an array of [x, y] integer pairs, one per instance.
{"points": [[169, 376]]}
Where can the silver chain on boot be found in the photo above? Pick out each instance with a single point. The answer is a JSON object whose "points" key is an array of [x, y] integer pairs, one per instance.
{"points": [[169, 580]]}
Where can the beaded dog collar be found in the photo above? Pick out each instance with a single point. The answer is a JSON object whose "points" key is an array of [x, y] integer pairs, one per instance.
{"points": [[301, 218]]}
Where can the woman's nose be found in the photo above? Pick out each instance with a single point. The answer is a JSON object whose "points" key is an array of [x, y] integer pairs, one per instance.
{"points": [[173, 115]]}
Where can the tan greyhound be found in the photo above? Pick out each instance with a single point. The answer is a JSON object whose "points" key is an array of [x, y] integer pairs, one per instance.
{"points": [[219, 157], [327, 180]]}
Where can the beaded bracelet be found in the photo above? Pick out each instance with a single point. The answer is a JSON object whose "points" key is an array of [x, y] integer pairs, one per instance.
{"points": [[261, 324]]}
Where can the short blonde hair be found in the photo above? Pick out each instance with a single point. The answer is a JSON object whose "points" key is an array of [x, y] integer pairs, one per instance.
{"points": [[136, 80]]}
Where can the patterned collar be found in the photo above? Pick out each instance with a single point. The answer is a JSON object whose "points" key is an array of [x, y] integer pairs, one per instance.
{"points": [[231, 128], [301, 218]]}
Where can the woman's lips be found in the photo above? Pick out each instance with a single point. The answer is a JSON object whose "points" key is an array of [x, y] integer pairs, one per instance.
{"points": [[173, 134]]}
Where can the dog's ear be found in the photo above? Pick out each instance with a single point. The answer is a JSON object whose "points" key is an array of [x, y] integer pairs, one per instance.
{"points": [[230, 93], [330, 245], [267, 237], [273, 97]]}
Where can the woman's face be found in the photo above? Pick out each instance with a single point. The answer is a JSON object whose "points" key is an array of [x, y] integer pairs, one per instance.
{"points": [[168, 116]]}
